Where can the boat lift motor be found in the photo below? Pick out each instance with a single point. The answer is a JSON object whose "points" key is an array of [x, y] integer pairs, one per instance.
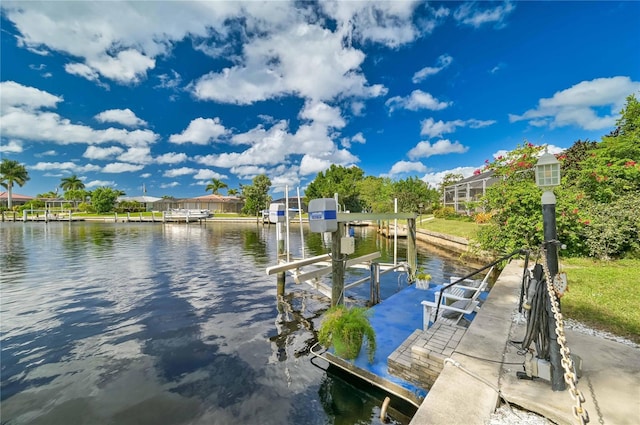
{"points": [[276, 213], [323, 215]]}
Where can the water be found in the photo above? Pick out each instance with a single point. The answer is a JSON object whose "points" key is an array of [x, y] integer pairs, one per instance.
{"points": [[170, 324]]}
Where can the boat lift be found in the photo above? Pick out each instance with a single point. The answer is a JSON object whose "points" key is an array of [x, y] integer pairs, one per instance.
{"points": [[311, 270]]}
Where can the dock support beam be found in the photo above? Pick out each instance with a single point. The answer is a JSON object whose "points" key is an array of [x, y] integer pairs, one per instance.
{"points": [[337, 273], [412, 256]]}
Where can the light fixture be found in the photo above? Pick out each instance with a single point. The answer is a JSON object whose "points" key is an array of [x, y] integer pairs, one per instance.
{"points": [[547, 171]]}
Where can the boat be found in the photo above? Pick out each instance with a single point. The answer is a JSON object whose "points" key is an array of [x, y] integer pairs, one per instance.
{"points": [[186, 214]]}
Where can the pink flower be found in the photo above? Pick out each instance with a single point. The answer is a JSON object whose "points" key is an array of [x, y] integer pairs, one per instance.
{"points": [[476, 173]]}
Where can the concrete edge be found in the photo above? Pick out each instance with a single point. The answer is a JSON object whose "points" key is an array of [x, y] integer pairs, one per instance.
{"points": [[469, 393]]}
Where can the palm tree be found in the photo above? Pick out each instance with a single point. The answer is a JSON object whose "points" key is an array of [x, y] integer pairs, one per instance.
{"points": [[215, 186], [12, 172], [232, 192], [71, 183]]}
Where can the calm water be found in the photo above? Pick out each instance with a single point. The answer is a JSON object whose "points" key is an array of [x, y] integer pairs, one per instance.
{"points": [[169, 324]]}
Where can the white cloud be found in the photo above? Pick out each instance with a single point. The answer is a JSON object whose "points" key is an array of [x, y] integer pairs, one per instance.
{"points": [[169, 185], [357, 138], [577, 105], [432, 128], [22, 118], [50, 152], [201, 131], [171, 81], [276, 145], [415, 101], [121, 116], [16, 96], [312, 165], [321, 113], [13, 146], [402, 167], [67, 166], [137, 155], [95, 152], [304, 60], [171, 158], [357, 108], [282, 176], [471, 14], [208, 175], [442, 62], [248, 171], [389, 23], [121, 167], [100, 183], [179, 172], [441, 147], [119, 43], [84, 71]]}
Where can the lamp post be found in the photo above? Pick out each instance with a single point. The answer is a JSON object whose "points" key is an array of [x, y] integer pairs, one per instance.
{"points": [[548, 177]]}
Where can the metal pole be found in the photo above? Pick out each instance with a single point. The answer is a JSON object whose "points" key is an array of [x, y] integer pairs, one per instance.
{"points": [[550, 238], [286, 215], [300, 219], [395, 233], [280, 278]]}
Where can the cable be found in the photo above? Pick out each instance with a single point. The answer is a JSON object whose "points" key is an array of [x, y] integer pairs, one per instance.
{"points": [[537, 318], [487, 360]]}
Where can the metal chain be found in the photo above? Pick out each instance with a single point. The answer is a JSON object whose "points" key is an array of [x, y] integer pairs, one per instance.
{"points": [[579, 412]]}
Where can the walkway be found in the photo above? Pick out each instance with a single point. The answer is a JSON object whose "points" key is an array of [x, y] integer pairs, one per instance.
{"points": [[466, 393]]}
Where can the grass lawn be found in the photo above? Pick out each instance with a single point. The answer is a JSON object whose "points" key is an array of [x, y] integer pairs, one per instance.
{"points": [[604, 295], [464, 229]]}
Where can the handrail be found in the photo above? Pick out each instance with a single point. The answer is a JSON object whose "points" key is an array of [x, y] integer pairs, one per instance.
{"points": [[499, 260]]}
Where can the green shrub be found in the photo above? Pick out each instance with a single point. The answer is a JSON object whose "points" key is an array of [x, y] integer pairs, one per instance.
{"points": [[614, 228], [445, 212]]}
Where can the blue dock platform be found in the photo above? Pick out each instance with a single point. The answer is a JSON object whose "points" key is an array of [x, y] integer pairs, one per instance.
{"points": [[393, 320]]}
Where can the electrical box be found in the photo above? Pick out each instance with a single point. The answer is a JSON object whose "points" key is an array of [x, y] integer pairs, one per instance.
{"points": [[276, 213], [323, 215], [347, 245]]}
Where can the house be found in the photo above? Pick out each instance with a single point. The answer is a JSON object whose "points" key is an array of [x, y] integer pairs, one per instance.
{"points": [[293, 202], [458, 195], [213, 203], [16, 199], [151, 203]]}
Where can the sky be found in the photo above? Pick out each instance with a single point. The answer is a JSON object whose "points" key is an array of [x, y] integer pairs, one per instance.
{"points": [[163, 96]]}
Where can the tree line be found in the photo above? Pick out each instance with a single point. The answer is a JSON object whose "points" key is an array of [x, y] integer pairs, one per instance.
{"points": [[598, 201]]}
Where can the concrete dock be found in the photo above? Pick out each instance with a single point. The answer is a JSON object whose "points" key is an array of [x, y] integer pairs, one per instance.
{"points": [[484, 364]]}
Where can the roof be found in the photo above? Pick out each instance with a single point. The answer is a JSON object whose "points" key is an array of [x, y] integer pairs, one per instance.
{"points": [[15, 196], [215, 198], [475, 178]]}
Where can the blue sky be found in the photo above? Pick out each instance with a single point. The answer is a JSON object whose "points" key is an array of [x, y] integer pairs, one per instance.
{"points": [[171, 94]]}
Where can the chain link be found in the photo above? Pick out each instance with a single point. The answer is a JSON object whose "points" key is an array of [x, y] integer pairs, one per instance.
{"points": [[579, 412]]}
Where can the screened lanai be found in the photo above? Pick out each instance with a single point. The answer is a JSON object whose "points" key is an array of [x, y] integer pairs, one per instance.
{"points": [[459, 195]]}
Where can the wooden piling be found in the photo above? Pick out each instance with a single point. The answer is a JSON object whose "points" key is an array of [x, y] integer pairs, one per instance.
{"points": [[337, 273], [412, 255]]}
